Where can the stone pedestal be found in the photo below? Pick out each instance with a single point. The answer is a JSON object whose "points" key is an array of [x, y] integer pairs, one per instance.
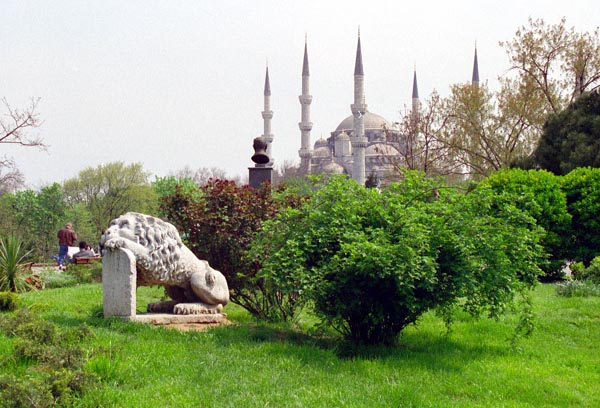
{"points": [[259, 175], [119, 293], [119, 283]]}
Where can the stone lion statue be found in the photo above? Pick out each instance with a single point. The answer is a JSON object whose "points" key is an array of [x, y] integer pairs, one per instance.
{"points": [[163, 259]]}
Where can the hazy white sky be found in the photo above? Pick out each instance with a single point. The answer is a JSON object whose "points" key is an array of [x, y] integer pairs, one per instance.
{"points": [[176, 83]]}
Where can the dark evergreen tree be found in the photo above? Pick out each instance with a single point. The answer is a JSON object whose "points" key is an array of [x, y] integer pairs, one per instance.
{"points": [[571, 138]]}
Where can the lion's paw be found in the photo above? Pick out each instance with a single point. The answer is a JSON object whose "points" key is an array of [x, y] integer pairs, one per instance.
{"points": [[196, 308], [115, 243]]}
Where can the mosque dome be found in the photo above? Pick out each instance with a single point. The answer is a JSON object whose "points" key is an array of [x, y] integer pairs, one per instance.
{"points": [[370, 120], [343, 136], [333, 168], [321, 143], [321, 152], [381, 149]]}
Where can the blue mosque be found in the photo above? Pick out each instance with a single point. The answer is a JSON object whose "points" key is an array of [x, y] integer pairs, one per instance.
{"points": [[363, 145]]}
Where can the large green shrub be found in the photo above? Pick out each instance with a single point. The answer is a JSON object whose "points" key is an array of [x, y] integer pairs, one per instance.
{"points": [[582, 189], [373, 262], [539, 193]]}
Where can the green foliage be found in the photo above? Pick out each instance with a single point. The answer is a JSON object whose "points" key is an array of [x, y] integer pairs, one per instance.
{"points": [[577, 288], [110, 190], [539, 194], [79, 215], [218, 225], [373, 262], [56, 364], [591, 273], [167, 186], [571, 138], [582, 189], [8, 301], [35, 217], [12, 256], [72, 276]]}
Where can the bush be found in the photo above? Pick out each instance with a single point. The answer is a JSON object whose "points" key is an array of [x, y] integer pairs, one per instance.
{"points": [[539, 193], [73, 275], [582, 190], [53, 280], [86, 273], [8, 301], [374, 262], [591, 273], [56, 369], [577, 288]]}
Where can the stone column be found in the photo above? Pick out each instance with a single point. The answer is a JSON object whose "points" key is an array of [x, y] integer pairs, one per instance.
{"points": [[119, 283]]}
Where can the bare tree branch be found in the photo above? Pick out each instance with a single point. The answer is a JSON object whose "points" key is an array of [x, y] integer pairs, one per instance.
{"points": [[16, 125]]}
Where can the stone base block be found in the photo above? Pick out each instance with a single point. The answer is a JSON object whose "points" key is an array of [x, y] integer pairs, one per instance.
{"points": [[167, 318]]}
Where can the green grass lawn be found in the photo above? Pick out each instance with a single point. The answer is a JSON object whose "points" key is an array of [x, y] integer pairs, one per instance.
{"points": [[254, 365]]}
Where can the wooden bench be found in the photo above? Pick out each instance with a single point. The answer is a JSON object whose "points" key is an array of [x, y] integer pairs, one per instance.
{"points": [[85, 260]]}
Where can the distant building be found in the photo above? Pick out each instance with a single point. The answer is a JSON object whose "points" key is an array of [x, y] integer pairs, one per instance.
{"points": [[363, 145]]}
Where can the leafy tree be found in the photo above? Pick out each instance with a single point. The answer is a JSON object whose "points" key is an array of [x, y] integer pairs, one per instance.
{"points": [[540, 195], [48, 217], [372, 262], [15, 129], [35, 217], [558, 62], [582, 189], [168, 186], [476, 131], [571, 138], [111, 190], [486, 131]]}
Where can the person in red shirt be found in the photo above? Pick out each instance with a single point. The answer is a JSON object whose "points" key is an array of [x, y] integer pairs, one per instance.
{"points": [[66, 238]]}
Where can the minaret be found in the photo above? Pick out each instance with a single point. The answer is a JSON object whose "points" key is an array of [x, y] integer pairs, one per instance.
{"points": [[359, 108], [267, 115], [475, 79], [415, 94], [305, 125]]}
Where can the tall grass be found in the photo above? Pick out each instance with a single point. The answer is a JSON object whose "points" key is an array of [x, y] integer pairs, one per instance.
{"points": [[249, 364]]}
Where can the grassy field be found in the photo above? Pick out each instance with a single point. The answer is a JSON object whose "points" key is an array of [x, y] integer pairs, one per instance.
{"points": [[252, 365]]}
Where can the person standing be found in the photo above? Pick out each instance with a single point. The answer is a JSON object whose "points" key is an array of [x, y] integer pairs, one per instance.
{"points": [[66, 238]]}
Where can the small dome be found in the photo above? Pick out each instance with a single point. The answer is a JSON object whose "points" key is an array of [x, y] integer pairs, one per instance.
{"points": [[321, 151], [333, 168], [343, 136], [381, 149], [321, 143], [370, 120]]}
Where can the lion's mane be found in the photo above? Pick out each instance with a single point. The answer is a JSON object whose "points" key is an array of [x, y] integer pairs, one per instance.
{"points": [[161, 241]]}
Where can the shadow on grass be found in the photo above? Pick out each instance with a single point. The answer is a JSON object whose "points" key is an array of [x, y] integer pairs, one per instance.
{"points": [[417, 347], [426, 350]]}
